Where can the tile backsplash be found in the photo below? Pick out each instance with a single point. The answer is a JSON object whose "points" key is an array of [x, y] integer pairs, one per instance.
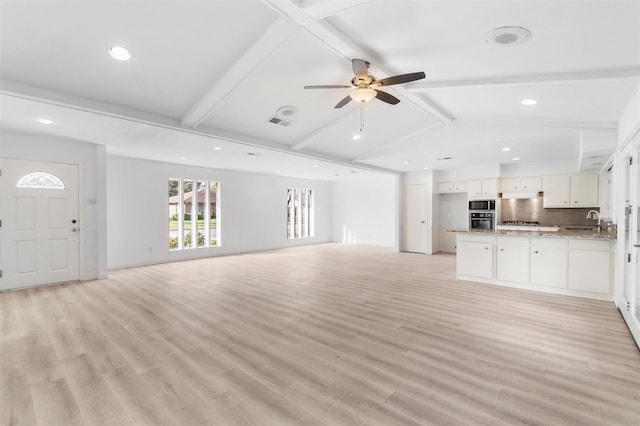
{"points": [[530, 209]]}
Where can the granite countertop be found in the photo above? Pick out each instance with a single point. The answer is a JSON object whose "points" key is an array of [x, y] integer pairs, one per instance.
{"points": [[563, 232]]}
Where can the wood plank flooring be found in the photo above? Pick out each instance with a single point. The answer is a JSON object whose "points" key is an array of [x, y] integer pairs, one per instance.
{"points": [[319, 335]]}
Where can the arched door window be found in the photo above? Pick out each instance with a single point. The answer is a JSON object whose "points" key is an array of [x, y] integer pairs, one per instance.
{"points": [[40, 180]]}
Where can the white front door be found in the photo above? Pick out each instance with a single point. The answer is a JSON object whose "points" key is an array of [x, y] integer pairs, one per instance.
{"points": [[40, 229], [415, 224]]}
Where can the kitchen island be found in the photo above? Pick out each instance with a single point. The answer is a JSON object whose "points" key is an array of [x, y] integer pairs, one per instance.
{"points": [[567, 261]]}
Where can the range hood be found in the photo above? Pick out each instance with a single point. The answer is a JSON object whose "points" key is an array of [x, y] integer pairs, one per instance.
{"points": [[519, 194]]}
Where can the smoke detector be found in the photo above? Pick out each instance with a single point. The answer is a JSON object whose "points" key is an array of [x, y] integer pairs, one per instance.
{"points": [[508, 36], [287, 111]]}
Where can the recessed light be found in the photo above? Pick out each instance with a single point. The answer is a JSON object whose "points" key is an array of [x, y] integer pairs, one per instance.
{"points": [[120, 53], [506, 148], [217, 148], [427, 168], [528, 102], [516, 158], [356, 137], [405, 162], [315, 165], [183, 158], [45, 121]]}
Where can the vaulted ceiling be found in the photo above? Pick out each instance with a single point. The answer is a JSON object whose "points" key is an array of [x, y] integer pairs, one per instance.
{"points": [[211, 74]]}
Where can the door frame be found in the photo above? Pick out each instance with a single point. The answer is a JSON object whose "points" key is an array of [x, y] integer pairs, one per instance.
{"points": [[81, 215], [628, 307]]}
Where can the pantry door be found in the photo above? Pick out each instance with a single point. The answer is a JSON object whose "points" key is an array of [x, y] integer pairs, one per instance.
{"points": [[40, 229], [415, 224]]}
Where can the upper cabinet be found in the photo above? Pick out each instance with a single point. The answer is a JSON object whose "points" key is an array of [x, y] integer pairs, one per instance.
{"points": [[570, 191], [533, 183], [452, 187], [483, 189]]}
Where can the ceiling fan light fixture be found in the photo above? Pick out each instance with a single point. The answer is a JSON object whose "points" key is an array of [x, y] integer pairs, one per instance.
{"points": [[362, 94]]}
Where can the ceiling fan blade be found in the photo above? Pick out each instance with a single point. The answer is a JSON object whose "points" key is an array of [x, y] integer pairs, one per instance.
{"points": [[328, 86], [343, 102], [399, 79], [360, 68], [385, 97]]}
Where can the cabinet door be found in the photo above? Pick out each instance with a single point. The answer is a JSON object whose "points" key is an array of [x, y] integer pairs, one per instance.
{"points": [[490, 188], [513, 263], [510, 184], [460, 186], [445, 187], [557, 190], [531, 183], [474, 188], [475, 259], [589, 270], [549, 266], [584, 191]]}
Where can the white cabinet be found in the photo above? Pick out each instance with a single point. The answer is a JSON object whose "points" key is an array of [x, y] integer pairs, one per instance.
{"points": [[452, 187], [483, 189], [584, 191], [532, 183], [474, 256], [590, 266], [549, 262], [512, 262], [570, 191]]}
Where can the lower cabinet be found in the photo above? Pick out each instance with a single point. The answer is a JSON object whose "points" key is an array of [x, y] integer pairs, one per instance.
{"points": [[475, 258], [549, 262], [590, 266], [574, 266], [512, 259]]}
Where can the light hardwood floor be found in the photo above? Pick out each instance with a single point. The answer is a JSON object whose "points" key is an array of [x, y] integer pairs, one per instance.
{"points": [[325, 334]]}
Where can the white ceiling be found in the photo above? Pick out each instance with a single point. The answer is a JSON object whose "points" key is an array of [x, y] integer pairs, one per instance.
{"points": [[211, 74]]}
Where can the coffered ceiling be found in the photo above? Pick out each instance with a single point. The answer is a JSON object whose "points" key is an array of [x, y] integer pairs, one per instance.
{"points": [[209, 74]]}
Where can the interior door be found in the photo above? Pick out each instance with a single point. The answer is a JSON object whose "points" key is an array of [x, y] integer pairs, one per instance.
{"points": [[39, 212], [415, 237]]}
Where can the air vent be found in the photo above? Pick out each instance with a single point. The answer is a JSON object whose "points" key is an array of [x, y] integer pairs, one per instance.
{"points": [[508, 36], [280, 121]]}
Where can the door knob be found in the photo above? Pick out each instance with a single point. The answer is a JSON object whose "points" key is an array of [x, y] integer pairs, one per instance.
{"points": [[422, 221]]}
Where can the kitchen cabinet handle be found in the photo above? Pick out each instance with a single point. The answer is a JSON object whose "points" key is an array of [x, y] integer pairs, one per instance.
{"points": [[486, 248], [636, 245], [501, 249], [536, 251]]}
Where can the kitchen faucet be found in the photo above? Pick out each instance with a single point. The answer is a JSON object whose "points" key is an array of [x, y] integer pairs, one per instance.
{"points": [[597, 216]]}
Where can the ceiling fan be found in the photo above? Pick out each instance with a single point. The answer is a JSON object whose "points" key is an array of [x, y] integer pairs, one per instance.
{"points": [[365, 85]]}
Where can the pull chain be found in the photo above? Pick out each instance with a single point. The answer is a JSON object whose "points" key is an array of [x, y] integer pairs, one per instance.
{"points": [[361, 116]]}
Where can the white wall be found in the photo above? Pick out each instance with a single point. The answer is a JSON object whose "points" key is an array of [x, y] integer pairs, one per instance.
{"points": [[253, 211], [366, 210], [90, 159]]}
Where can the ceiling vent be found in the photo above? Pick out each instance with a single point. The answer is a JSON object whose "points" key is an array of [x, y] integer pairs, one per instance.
{"points": [[508, 36], [280, 121]]}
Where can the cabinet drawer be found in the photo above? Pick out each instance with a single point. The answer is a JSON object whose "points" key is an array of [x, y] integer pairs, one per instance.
{"points": [[549, 242], [585, 244], [514, 241], [477, 238]]}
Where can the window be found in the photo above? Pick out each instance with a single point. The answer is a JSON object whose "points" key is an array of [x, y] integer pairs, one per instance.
{"points": [[40, 180], [300, 215], [193, 210]]}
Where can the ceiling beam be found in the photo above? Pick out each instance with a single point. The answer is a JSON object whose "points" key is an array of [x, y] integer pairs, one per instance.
{"points": [[539, 123], [559, 79], [280, 31], [325, 9], [369, 155], [346, 48]]}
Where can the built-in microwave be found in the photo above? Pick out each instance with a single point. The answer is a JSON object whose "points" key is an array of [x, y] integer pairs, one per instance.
{"points": [[482, 205]]}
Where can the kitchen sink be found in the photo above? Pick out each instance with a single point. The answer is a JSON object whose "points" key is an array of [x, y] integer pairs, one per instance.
{"points": [[580, 228]]}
